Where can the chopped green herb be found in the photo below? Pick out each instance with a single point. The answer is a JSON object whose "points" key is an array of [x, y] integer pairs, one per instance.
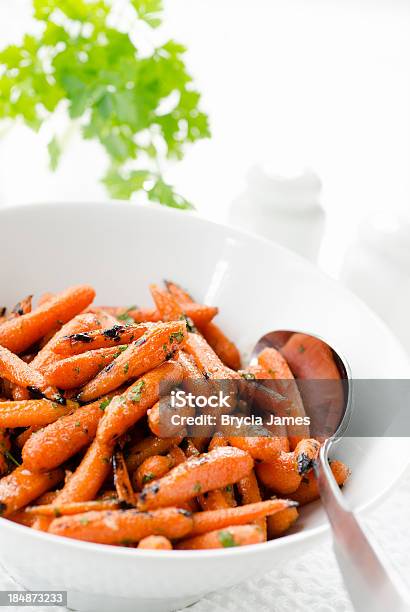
{"points": [[78, 424], [301, 348], [136, 391], [229, 489], [84, 520], [178, 336], [77, 370], [148, 477], [10, 457], [226, 539], [121, 349], [104, 404], [57, 512], [126, 368], [197, 487], [248, 376]]}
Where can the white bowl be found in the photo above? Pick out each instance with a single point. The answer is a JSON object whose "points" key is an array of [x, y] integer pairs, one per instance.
{"points": [[120, 248]]}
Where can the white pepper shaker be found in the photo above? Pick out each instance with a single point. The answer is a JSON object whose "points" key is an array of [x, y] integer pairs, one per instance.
{"points": [[286, 209]]}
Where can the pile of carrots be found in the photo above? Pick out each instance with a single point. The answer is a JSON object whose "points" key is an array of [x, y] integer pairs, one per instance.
{"points": [[80, 450]]}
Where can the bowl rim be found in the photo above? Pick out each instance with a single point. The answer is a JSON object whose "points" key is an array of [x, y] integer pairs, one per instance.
{"points": [[309, 534]]}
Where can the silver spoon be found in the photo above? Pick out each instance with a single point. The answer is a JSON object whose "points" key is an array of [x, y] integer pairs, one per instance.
{"points": [[369, 581]]}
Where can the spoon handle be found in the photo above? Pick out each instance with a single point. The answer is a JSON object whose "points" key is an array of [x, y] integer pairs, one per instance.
{"points": [[370, 583]]}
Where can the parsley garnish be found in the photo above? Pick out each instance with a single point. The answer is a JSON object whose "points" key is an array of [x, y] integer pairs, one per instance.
{"points": [[140, 107], [136, 391], [226, 539], [104, 404], [148, 477]]}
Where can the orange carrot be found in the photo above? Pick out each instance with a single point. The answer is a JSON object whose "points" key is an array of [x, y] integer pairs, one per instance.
{"points": [[26, 434], [123, 526], [51, 446], [81, 323], [218, 519], [68, 509], [15, 370], [20, 333], [206, 359], [77, 370], [114, 336], [153, 467], [170, 310], [32, 412], [150, 351], [20, 393], [147, 448], [272, 361], [22, 486], [308, 491], [126, 409], [260, 447], [248, 489], [21, 308], [155, 543], [89, 477], [281, 522], [213, 470], [237, 535]]}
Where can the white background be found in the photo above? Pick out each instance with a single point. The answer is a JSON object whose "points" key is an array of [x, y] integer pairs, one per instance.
{"points": [[287, 83]]}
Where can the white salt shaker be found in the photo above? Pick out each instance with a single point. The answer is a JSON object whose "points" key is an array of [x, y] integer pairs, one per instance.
{"points": [[377, 269], [282, 208]]}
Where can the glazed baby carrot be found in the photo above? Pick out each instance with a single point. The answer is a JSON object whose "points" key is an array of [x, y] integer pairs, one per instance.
{"points": [[124, 526], [147, 448], [308, 491], [223, 347], [125, 410], [122, 480], [20, 333], [170, 310], [284, 475], [22, 486], [81, 323], [88, 478], [213, 470], [69, 509], [155, 543], [248, 489], [275, 364], [260, 447], [150, 351], [77, 370], [26, 434], [32, 412], [160, 418], [114, 336], [21, 308], [51, 446], [16, 371], [237, 535], [153, 467], [206, 359], [241, 515], [20, 393], [281, 522]]}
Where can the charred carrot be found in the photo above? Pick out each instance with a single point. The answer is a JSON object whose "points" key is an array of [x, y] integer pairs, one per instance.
{"points": [[22, 486], [89, 476], [237, 535], [213, 470], [21, 308], [150, 351], [281, 522], [153, 467], [16, 371], [20, 393], [51, 446], [75, 371], [147, 448], [81, 323], [206, 359], [155, 543], [32, 412], [20, 333], [308, 490], [123, 527], [114, 336], [69, 509], [126, 409], [122, 480]]}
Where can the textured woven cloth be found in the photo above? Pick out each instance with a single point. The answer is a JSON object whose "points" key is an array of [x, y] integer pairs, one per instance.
{"points": [[311, 582]]}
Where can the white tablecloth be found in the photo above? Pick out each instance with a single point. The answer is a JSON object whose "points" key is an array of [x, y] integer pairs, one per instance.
{"points": [[311, 582]]}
